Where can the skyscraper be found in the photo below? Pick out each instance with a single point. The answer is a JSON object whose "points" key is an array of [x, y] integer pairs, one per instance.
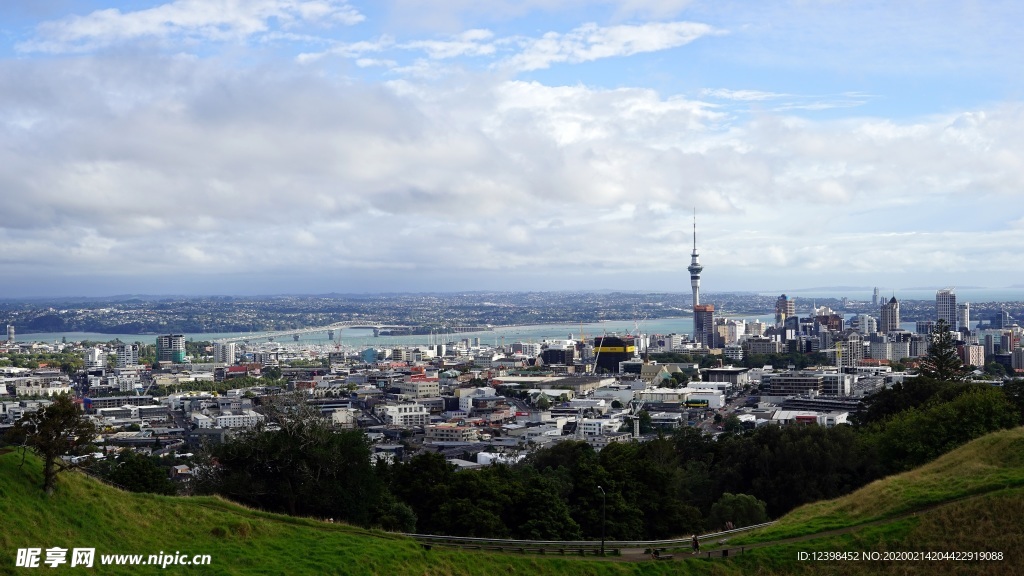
{"points": [[964, 316], [784, 308], [890, 316], [704, 324], [945, 307]]}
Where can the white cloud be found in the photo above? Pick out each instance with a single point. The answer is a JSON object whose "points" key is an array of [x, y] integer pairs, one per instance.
{"points": [[348, 50], [139, 164], [742, 95], [217, 20], [592, 42], [469, 43]]}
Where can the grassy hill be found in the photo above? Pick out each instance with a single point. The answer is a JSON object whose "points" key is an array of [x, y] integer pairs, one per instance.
{"points": [[970, 500]]}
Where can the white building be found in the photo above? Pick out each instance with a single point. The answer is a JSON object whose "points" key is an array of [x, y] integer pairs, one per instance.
{"points": [[404, 415], [31, 387], [945, 307], [95, 358], [237, 419], [599, 426], [714, 398], [224, 352], [127, 355]]}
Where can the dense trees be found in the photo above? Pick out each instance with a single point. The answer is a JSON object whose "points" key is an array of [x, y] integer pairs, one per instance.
{"points": [[301, 467], [666, 487], [137, 473], [737, 511]]}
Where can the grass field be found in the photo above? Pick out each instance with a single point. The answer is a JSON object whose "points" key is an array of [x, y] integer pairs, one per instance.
{"points": [[970, 500], [990, 463]]}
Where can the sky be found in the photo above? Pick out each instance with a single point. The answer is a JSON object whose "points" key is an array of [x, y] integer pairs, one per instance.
{"points": [[313, 146]]}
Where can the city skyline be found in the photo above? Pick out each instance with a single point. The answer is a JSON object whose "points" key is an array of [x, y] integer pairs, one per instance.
{"points": [[316, 146]]}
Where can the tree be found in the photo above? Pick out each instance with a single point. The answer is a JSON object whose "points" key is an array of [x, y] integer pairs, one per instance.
{"points": [[137, 473], [543, 403], [740, 509], [942, 361], [52, 432], [302, 467]]}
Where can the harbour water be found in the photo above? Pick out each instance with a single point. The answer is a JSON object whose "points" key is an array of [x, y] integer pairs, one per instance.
{"points": [[358, 338]]}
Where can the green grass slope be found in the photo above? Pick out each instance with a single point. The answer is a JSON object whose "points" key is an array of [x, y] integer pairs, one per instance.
{"points": [[85, 513], [990, 463], [970, 500]]}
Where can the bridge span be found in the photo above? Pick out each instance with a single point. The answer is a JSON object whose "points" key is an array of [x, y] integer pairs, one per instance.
{"points": [[299, 332]]}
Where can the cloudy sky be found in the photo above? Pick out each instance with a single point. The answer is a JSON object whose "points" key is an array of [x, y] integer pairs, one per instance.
{"points": [[310, 146]]}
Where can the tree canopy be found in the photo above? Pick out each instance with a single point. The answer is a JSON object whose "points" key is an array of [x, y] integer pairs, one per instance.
{"points": [[942, 361], [51, 432]]}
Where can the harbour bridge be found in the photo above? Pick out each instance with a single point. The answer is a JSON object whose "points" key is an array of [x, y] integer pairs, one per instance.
{"points": [[297, 333]]}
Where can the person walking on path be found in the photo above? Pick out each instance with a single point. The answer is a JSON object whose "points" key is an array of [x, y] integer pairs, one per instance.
{"points": [[696, 544]]}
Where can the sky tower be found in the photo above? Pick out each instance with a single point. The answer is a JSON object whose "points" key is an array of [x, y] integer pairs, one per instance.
{"points": [[695, 267]]}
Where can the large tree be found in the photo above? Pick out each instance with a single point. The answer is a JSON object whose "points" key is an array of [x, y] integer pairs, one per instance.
{"points": [[301, 465], [51, 432], [942, 361]]}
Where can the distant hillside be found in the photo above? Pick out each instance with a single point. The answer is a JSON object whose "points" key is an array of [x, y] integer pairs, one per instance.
{"points": [[970, 500]]}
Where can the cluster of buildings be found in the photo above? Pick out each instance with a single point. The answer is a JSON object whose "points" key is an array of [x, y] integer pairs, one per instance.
{"points": [[479, 404]]}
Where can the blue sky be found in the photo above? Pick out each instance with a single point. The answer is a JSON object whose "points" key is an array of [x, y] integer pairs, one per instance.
{"points": [[259, 146]]}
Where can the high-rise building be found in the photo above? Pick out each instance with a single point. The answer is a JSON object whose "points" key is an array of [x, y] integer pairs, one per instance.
{"points": [[874, 297], [224, 352], [865, 324], [849, 349], [10, 333], [963, 315], [890, 318], [704, 325], [610, 350], [784, 308], [94, 358], [170, 348], [127, 355], [945, 307], [695, 269]]}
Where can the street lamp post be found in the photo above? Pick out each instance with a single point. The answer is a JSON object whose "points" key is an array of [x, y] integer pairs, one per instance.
{"points": [[602, 518]]}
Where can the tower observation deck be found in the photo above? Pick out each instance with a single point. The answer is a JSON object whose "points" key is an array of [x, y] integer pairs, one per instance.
{"points": [[695, 268]]}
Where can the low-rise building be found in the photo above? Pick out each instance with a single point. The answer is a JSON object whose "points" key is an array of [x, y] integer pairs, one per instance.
{"points": [[450, 432]]}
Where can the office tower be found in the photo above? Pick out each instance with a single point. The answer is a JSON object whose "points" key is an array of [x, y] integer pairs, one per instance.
{"points": [[890, 316], [945, 307], [704, 324], [10, 333], [784, 308], [874, 297], [963, 315], [170, 348], [610, 350]]}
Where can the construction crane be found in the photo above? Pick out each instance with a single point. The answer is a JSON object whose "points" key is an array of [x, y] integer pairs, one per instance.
{"points": [[634, 415], [839, 354]]}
